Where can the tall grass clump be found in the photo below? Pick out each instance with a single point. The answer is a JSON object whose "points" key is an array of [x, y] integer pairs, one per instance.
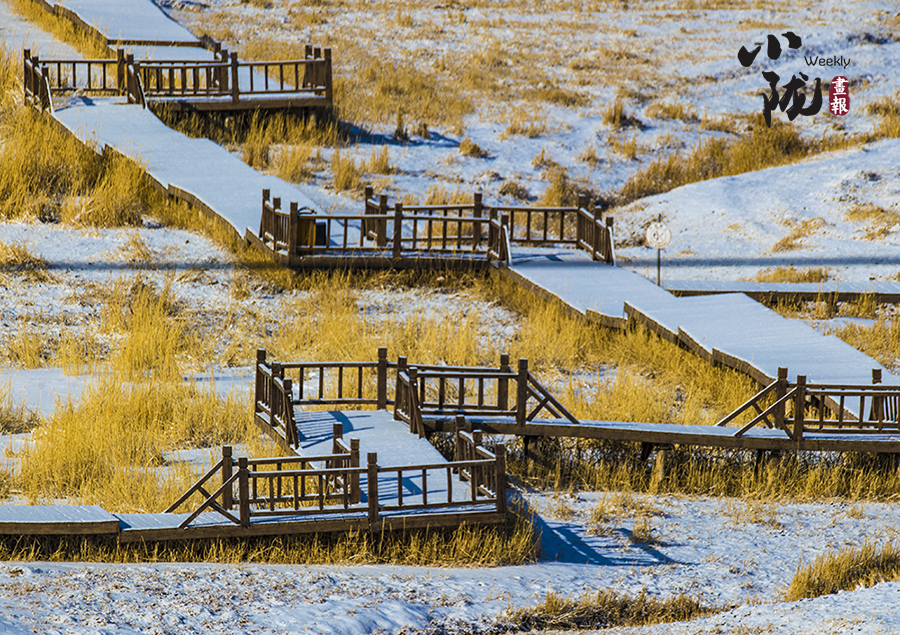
{"points": [[154, 341], [15, 418], [759, 148], [18, 260], [888, 109], [845, 570], [33, 181], [61, 28], [605, 609], [346, 172], [109, 447]]}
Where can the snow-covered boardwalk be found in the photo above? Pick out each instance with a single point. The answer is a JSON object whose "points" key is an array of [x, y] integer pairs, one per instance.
{"points": [[196, 170], [730, 329]]}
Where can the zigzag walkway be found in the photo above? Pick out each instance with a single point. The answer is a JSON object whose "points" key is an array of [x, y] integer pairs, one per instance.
{"points": [[729, 329]]}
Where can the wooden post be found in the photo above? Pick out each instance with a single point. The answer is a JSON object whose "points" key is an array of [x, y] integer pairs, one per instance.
{"points": [[398, 226], [410, 399], [500, 451], [293, 227], [800, 407], [290, 430], [328, 86], [354, 478], [265, 213], [46, 100], [477, 211], [337, 432], [227, 473], [398, 388], [381, 390], [372, 483], [877, 400], [459, 426], [244, 491], [522, 394], [607, 241], [503, 384], [260, 378], [235, 84], [368, 193], [780, 391], [381, 229], [26, 76], [120, 71]]}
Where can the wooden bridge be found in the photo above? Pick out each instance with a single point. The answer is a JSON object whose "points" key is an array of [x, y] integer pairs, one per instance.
{"points": [[508, 401], [420, 236]]}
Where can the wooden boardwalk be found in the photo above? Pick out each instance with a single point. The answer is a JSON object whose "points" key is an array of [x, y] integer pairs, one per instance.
{"points": [[881, 291], [728, 329], [158, 61]]}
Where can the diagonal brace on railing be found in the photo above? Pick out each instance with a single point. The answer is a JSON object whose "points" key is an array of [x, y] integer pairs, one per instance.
{"points": [[198, 486], [537, 390], [752, 402], [790, 394], [211, 502]]}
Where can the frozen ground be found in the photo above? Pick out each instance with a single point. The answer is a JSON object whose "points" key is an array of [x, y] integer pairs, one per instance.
{"points": [[734, 555], [647, 55], [731, 553]]}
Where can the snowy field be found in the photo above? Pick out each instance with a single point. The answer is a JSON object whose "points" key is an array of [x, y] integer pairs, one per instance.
{"points": [[734, 554]]}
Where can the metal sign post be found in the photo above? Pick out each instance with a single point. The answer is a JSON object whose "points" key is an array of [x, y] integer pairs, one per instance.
{"points": [[658, 236]]}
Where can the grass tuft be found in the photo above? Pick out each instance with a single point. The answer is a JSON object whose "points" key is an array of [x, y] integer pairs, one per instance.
{"points": [[845, 570], [606, 609], [790, 274]]}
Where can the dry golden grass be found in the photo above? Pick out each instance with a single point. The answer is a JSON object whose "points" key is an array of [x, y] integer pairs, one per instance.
{"points": [[61, 28], [469, 148], [15, 418], [799, 231], [845, 570], [380, 162], [888, 108], [606, 609], [616, 117], [877, 222], [346, 172], [668, 110], [16, 259], [109, 447], [880, 341], [790, 274], [758, 148]]}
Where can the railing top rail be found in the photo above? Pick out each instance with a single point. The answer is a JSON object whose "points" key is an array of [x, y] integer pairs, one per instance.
{"points": [[294, 459], [247, 63], [434, 466], [310, 471], [423, 208], [840, 388], [79, 60], [296, 365], [488, 373]]}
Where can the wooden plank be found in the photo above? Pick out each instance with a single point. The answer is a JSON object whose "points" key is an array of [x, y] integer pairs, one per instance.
{"points": [[43, 520]]}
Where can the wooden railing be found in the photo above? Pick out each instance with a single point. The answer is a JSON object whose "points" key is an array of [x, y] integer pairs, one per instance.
{"points": [[290, 486], [799, 407], [391, 232], [36, 81], [442, 392], [143, 80], [421, 392]]}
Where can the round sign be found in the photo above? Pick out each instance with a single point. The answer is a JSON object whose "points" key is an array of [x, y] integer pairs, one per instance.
{"points": [[658, 235]]}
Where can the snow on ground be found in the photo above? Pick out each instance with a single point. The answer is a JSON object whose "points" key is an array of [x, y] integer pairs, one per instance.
{"points": [[731, 553], [737, 555], [646, 55]]}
